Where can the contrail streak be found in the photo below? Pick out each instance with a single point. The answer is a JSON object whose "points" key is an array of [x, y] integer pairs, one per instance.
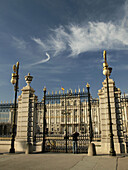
{"points": [[43, 61]]}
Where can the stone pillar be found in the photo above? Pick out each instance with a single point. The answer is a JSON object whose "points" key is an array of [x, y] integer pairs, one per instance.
{"points": [[26, 122], [117, 124]]}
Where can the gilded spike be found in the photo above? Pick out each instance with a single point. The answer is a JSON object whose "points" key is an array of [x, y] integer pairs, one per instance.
{"points": [[67, 91], [79, 90], [59, 92], [52, 92], [87, 85], [83, 90], [56, 92], [48, 93], [75, 90], [1, 101]]}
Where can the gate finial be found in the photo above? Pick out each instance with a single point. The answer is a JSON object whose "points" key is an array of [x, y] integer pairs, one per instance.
{"points": [[28, 79]]}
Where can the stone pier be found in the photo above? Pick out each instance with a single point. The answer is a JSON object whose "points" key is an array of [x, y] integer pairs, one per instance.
{"points": [[27, 118], [117, 124]]}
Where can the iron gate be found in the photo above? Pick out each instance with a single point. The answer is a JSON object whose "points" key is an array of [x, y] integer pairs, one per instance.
{"points": [[56, 139]]}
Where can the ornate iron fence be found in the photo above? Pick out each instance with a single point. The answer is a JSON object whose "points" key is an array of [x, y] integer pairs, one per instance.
{"points": [[57, 143]]}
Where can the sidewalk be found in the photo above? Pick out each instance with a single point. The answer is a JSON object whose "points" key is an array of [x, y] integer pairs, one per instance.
{"points": [[59, 161]]}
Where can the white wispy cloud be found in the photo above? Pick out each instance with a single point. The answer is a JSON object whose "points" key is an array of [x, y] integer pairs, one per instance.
{"points": [[39, 42], [42, 61], [19, 43], [76, 39]]}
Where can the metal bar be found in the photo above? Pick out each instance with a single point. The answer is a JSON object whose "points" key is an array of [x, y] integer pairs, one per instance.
{"points": [[12, 149], [44, 120], [112, 151]]}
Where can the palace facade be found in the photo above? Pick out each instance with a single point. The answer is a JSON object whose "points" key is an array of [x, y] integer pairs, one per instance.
{"points": [[76, 116]]}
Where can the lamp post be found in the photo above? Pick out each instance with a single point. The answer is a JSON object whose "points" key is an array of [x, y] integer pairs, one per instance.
{"points": [[107, 72], [89, 109], [44, 119], [91, 146], [14, 81]]}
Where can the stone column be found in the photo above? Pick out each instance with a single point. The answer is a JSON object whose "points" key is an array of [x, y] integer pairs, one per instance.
{"points": [[26, 122], [117, 124]]}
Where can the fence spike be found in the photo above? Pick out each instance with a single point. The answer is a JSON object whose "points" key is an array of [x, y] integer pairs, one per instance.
{"points": [[83, 90], [1, 101], [75, 90], [59, 92], [56, 92], [79, 90]]}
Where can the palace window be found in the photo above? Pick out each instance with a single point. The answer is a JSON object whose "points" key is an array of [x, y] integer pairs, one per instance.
{"points": [[75, 103], [62, 103]]}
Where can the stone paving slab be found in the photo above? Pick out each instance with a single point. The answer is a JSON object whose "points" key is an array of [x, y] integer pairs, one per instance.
{"points": [[96, 163], [51, 161], [122, 163]]}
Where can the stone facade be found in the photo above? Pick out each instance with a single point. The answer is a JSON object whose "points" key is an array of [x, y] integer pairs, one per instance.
{"points": [[77, 116]]}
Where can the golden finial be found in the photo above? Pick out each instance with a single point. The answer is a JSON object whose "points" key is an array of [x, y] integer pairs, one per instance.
{"points": [[105, 64], [79, 90], [4, 102], [1, 101], [7, 101], [104, 54], [48, 93], [88, 85], [14, 68], [59, 92], [56, 92], [75, 90], [44, 88], [52, 92], [17, 64], [83, 90], [67, 91]]}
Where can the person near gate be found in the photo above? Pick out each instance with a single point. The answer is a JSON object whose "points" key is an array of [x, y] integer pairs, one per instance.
{"points": [[75, 135]]}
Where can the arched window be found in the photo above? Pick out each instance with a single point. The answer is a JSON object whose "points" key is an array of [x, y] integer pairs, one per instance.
{"points": [[0, 129], [5, 130], [62, 103]]}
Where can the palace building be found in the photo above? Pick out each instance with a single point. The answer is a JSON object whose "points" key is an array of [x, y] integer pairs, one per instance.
{"points": [[76, 116]]}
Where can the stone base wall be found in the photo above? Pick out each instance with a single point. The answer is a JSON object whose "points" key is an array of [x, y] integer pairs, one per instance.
{"points": [[5, 146]]}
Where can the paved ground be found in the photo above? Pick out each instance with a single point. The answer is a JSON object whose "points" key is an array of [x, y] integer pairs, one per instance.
{"points": [[54, 161]]}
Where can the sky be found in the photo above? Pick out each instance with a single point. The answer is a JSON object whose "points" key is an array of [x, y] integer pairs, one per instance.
{"points": [[61, 43]]}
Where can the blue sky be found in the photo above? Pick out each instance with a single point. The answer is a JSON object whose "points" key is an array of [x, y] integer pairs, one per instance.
{"points": [[60, 42]]}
